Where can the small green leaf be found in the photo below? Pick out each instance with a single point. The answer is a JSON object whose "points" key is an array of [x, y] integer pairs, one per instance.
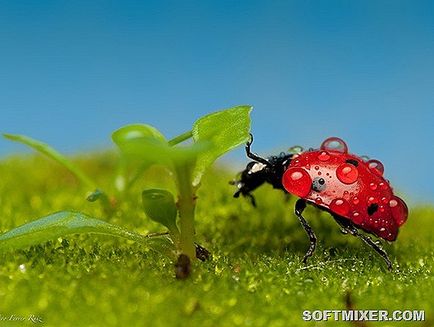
{"points": [[128, 138], [225, 129], [143, 143], [159, 205], [53, 154], [64, 223], [134, 131], [152, 151]]}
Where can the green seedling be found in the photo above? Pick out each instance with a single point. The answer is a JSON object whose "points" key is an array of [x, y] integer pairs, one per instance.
{"points": [[142, 146]]}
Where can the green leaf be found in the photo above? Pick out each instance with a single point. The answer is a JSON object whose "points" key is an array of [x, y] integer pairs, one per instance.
{"points": [[135, 131], [64, 223], [132, 166], [159, 205], [225, 129], [143, 143], [152, 151], [53, 154]]}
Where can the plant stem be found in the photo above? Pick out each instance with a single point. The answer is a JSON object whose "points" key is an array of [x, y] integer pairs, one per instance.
{"points": [[180, 138], [186, 207]]}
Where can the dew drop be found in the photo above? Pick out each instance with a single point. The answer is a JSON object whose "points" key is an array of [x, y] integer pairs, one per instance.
{"points": [[316, 167], [376, 167], [356, 200], [357, 217], [334, 144], [340, 207], [318, 200], [381, 208], [384, 200], [347, 173], [383, 185], [295, 149], [365, 158], [297, 181], [371, 199], [399, 210], [373, 186], [323, 156]]}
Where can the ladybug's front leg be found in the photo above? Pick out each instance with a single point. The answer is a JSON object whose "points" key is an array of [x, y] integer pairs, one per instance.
{"points": [[300, 205], [252, 155], [350, 228]]}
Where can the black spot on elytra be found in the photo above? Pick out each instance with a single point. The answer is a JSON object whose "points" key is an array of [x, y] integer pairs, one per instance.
{"points": [[373, 207], [352, 161]]}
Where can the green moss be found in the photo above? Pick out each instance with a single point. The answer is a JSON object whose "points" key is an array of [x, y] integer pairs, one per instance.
{"points": [[255, 277]]}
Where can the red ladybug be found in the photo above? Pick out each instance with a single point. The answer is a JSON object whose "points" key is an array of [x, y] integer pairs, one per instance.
{"points": [[352, 189]]}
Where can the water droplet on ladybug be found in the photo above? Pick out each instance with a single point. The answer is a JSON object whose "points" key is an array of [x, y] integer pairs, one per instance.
{"points": [[365, 158], [318, 200], [346, 195], [340, 207], [316, 167], [383, 185], [373, 186], [399, 210], [356, 200], [307, 166], [297, 181], [384, 200], [381, 208], [357, 217], [323, 156], [371, 199], [334, 144], [295, 149], [376, 167], [347, 173]]}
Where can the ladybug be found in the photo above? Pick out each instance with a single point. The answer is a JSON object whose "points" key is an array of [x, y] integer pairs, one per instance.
{"points": [[351, 188]]}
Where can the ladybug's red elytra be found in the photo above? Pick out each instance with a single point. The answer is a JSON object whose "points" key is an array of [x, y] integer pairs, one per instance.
{"points": [[351, 188]]}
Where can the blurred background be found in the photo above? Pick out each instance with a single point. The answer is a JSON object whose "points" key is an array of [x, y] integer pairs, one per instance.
{"points": [[73, 71]]}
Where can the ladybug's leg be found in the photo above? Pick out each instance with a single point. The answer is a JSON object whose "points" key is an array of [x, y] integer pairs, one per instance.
{"points": [[252, 155], [300, 205], [249, 195], [350, 228]]}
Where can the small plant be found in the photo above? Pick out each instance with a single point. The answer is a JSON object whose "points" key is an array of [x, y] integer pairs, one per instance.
{"points": [[142, 146]]}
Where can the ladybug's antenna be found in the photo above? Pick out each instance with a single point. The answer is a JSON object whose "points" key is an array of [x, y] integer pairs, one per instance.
{"points": [[254, 156]]}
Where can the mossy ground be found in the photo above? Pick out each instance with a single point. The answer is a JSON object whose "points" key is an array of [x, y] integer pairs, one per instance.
{"points": [[255, 277]]}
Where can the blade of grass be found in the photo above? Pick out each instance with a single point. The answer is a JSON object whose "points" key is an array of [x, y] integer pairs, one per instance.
{"points": [[65, 223], [53, 154]]}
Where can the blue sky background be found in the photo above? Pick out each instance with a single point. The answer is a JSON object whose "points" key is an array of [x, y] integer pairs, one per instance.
{"points": [[73, 71]]}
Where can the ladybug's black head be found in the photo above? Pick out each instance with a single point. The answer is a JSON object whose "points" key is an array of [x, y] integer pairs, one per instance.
{"points": [[259, 171]]}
